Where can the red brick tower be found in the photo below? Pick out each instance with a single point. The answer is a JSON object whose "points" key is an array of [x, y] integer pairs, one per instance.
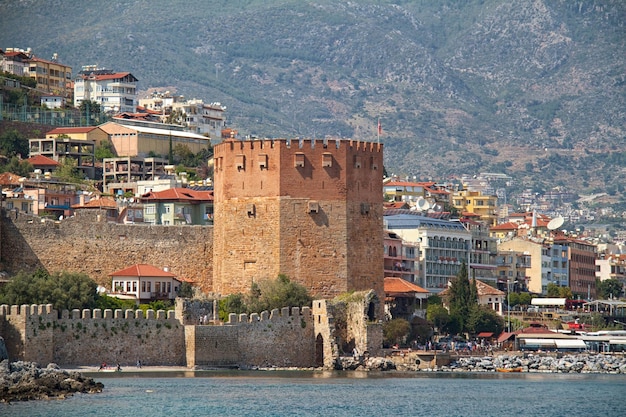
{"points": [[309, 209]]}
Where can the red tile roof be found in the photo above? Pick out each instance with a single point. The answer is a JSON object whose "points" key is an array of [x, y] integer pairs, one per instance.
{"points": [[70, 130], [142, 270], [506, 226], [481, 288], [98, 203], [40, 160], [8, 178], [178, 194], [395, 285], [113, 76]]}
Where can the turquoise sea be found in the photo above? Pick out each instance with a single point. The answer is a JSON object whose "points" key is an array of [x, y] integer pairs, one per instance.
{"points": [[303, 393]]}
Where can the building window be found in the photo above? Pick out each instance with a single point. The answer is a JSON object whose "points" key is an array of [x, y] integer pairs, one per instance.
{"points": [[143, 286], [299, 160]]}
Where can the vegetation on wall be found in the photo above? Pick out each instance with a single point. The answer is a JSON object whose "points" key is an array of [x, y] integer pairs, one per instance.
{"points": [[266, 296]]}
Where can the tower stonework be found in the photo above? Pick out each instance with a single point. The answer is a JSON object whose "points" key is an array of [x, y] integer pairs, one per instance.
{"points": [[308, 209]]}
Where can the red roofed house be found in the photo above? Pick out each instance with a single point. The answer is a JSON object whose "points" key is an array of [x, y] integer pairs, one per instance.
{"points": [[115, 91], [103, 204], [404, 299], [177, 206], [87, 133], [43, 163], [487, 296], [144, 283]]}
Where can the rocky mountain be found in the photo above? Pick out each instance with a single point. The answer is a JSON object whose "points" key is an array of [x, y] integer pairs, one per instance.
{"points": [[531, 88]]}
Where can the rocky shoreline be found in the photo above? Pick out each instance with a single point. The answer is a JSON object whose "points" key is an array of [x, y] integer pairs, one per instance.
{"points": [[574, 363], [23, 381]]}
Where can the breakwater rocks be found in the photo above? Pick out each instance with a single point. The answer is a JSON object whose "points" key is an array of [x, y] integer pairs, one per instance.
{"points": [[21, 381], [574, 363]]}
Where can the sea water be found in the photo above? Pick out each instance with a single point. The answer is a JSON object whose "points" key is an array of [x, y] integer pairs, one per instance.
{"points": [[284, 393]]}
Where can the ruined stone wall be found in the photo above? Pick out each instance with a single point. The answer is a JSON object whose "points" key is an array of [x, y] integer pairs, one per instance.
{"points": [[90, 337], [277, 338], [86, 243]]}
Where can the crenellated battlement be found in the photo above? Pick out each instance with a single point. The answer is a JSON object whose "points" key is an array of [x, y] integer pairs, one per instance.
{"points": [[47, 311], [275, 316], [278, 144]]}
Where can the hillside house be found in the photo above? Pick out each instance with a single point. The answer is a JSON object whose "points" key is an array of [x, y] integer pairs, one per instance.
{"points": [[144, 283]]}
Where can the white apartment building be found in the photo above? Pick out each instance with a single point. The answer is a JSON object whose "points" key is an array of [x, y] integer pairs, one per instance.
{"points": [[198, 117], [443, 245], [115, 91]]}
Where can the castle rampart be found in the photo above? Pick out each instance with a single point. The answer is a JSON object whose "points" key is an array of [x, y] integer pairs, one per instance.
{"points": [[87, 244], [283, 338]]}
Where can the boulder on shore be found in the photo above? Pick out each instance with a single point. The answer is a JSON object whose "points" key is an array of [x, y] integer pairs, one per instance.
{"points": [[22, 381]]}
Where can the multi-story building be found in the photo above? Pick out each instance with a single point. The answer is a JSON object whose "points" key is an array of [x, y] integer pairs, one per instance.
{"points": [[399, 260], [197, 116], [484, 248], [115, 91], [511, 270], [135, 138], [60, 148], [485, 206], [582, 266], [178, 206], [611, 266], [443, 245], [540, 271], [309, 209], [14, 61], [51, 76], [121, 175]]}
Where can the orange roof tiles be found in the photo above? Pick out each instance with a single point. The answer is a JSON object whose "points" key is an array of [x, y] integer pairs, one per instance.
{"points": [[70, 130], [98, 203], [40, 160], [8, 178], [142, 270], [401, 286], [180, 194]]}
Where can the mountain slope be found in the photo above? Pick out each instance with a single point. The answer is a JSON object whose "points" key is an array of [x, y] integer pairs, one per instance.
{"points": [[531, 88]]}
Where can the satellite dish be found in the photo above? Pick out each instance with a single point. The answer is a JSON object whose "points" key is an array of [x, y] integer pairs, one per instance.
{"points": [[422, 204], [556, 223]]}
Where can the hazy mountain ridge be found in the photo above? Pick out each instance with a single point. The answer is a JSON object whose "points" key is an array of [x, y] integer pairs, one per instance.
{"points": [[531, 88]]}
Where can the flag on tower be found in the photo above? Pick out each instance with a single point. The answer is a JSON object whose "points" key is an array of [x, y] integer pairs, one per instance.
{"points": [[380, 127]]}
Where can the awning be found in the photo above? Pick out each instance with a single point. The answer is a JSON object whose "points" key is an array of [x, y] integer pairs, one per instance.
{"points": [[504, 336], [548, 301], [484, 334], [570, 344], [538, 342]]}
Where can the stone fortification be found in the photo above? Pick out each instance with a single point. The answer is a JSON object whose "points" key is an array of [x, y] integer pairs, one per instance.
{"points": [[278, 338], [38, 333], [86, 243], [309, 209]]}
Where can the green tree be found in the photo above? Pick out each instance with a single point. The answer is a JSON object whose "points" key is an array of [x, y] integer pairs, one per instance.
{"points": [[64, 290], [565, 292], [104, 150], [68, 171], [278, 293], [12, 143], [396, 330], [484, 319], [89, 107], [552, 290], [525, 298], [18, 166], [460, 297], [609, 288], [185, 290], [233, 303]]}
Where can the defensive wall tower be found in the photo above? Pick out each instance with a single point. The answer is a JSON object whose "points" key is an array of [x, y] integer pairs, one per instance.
{"points": [[309, 209]]}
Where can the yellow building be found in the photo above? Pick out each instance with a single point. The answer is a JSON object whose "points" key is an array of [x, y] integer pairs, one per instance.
{"points": [[143, 139], [485, 206], [51, 76], [92, 133]]}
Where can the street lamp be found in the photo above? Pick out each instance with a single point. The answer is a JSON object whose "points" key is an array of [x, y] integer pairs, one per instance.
{"points": [[508, 300]]}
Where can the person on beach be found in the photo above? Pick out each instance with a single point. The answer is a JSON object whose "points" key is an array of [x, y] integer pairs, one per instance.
{"points": [[119, 368]]}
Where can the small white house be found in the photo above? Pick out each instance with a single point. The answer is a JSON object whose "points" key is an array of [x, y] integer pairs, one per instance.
{"points": [[52, 101], [144, 283]]}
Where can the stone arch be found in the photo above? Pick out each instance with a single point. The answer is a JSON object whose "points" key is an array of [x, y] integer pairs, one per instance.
{"points": [[319, 351]]}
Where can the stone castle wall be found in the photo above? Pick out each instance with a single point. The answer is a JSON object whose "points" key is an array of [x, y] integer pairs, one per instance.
{"points": [[90, 337], [87, 244], [37, 333]]}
